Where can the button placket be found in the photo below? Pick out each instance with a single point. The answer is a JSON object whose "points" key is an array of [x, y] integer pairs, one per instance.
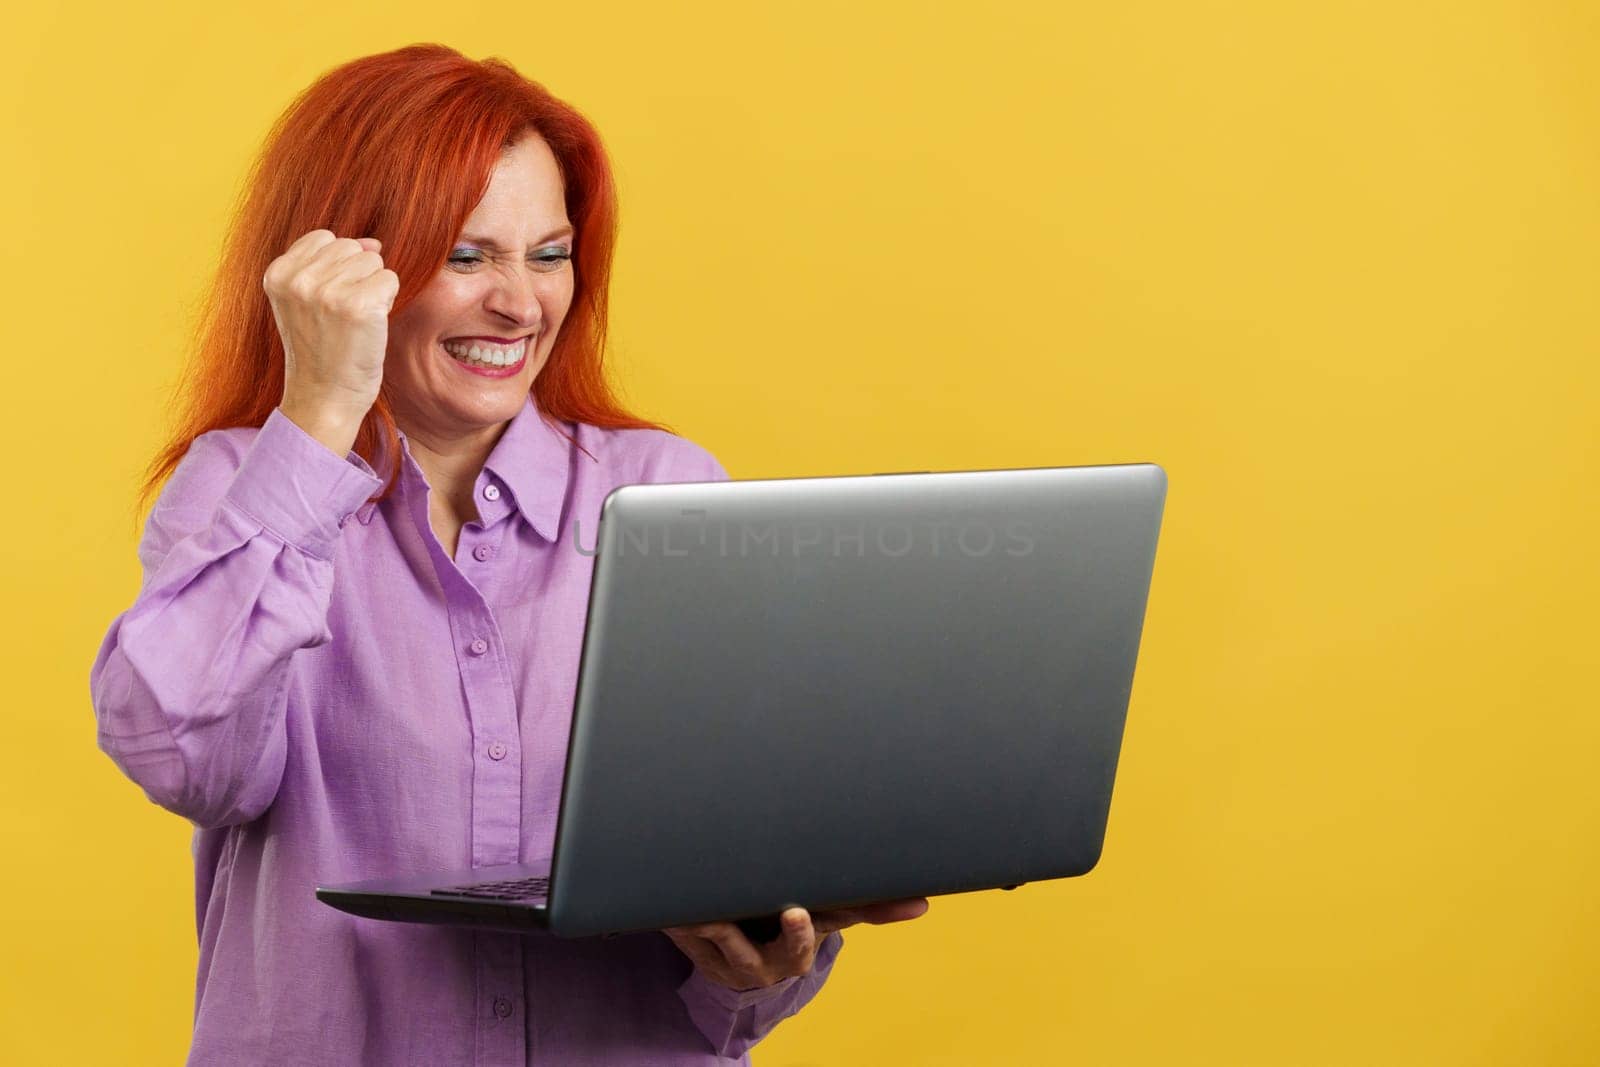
{"points": [[492, 720]]}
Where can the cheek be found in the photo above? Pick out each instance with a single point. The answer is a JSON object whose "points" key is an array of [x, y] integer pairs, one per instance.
{"points": [[558, 301], [429, 318]]}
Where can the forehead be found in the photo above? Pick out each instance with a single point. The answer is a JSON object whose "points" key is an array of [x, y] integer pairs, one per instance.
{"points": [[526, 197]]}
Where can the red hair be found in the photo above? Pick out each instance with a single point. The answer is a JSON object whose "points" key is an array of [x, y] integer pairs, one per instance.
{"points": [[399, 146]]}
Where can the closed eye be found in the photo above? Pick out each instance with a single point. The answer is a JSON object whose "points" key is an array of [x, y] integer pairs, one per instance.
{"points": [[549, 259]]}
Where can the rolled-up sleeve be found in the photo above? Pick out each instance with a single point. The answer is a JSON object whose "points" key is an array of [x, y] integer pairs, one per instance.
{"points": [[190, 684]]}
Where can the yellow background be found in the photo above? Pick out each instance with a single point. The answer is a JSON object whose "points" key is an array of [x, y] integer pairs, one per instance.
{"points": [[1332, 265]]}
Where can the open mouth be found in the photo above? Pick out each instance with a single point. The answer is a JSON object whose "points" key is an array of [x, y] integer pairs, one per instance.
{"points": [[494, 358]]}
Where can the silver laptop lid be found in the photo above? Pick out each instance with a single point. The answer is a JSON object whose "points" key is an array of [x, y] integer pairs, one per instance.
{"points": [[827, 691]]}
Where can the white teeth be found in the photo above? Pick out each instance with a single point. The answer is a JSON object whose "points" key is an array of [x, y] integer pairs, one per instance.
{"points": [[489, 355]]}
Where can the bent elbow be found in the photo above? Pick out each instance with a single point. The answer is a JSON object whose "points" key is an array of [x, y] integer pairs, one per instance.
{"points": [[134, 730]]}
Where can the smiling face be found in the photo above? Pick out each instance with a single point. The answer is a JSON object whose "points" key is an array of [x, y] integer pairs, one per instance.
{"points": [[463, 355]]}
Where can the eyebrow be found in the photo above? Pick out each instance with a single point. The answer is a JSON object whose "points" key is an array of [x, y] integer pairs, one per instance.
{"points": [[489, 242]]}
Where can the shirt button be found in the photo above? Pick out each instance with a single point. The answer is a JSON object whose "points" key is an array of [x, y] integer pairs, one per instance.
{"points": [[483, 553], [497, 750], [478, 647], [491, 492], [502, 1007]]}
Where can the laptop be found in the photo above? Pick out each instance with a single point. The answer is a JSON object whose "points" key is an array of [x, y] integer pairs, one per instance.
{"points": [[830, 691]]}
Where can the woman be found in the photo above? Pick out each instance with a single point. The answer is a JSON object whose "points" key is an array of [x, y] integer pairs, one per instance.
{"points": [[356, 645]]}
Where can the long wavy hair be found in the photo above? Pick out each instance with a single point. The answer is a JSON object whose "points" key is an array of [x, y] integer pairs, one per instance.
{"points": [[399, 146]]}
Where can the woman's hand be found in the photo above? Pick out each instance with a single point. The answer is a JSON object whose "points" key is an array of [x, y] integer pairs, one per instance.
{"points": [[331, 298], [723, 954]]}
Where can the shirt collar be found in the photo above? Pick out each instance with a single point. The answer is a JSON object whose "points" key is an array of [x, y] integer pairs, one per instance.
{"points": [[530, 465], [534, 461]]}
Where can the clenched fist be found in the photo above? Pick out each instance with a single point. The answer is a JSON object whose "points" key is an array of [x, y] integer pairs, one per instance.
{"points": [[331, 298]]}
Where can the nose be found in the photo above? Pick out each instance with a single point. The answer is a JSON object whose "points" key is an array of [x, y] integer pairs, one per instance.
{"points": [[514, 297]]}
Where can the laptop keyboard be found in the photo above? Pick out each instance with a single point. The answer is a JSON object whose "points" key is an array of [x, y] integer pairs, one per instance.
{"points": [[520, 889]]}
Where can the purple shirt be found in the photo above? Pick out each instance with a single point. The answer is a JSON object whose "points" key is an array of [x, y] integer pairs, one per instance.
{"points": [[329, 697]]}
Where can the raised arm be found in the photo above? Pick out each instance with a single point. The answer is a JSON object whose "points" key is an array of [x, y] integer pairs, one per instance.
{"points": [[191, 684]]}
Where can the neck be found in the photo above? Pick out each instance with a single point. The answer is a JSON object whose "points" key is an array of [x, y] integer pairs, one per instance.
{"points": [[451, 462]]}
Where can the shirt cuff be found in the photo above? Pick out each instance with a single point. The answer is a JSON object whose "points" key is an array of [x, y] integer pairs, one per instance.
{"points": [[697, 985], [294, 486]]}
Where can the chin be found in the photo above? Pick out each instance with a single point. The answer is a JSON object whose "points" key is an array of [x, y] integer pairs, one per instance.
{"points": [[488, 410]]}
